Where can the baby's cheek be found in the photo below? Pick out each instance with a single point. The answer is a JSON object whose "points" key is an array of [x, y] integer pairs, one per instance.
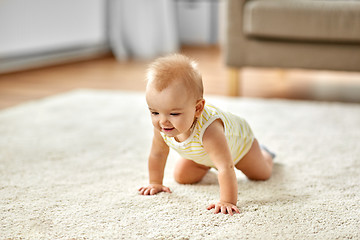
{"points": [[154, 123]]}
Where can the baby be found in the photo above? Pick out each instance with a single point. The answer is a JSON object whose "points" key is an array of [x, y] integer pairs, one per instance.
{"points": [[204, 135]]}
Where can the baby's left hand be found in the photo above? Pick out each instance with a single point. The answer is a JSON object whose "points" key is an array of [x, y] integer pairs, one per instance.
{"points": [[224, 207]]}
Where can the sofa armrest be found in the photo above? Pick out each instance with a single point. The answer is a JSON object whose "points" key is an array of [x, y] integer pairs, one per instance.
{"points": [[234, 36]]}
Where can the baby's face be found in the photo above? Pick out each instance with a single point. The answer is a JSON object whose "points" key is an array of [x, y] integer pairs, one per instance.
{"points": [[173, 110]]}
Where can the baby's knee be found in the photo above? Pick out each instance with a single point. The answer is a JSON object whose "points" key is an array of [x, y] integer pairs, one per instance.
{"points": [[189, 172], [187, 177], [179, 173], [261, 176], [182, 178]]}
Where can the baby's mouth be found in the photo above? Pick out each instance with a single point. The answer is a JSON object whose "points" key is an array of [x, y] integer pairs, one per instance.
{"points": [[168, 129]]}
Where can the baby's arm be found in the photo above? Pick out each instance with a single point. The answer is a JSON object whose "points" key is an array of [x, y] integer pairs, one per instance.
{"points": [[216, 145], [156, 164]]}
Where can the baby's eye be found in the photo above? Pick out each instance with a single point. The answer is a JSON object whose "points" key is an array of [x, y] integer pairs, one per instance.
{"points": [[174, 114], [154, 113]]}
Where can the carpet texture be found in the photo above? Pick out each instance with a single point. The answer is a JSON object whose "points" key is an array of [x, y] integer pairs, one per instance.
{"points": [[70, 167]]}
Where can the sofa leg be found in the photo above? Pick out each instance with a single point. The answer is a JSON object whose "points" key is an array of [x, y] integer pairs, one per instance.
{"points": [[233, 81]]}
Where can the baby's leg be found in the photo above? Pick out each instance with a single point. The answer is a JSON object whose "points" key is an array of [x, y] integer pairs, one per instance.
{"points": [[188, 171], [256, 164]]}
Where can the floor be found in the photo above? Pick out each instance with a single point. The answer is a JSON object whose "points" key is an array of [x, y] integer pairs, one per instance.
{"points": [[107, 73]]}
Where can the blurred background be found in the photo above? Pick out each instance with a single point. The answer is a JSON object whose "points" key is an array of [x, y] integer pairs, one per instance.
{"points": [[52, 46]]}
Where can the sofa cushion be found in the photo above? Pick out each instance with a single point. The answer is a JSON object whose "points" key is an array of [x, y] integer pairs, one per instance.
{"points": [[312, 20]]}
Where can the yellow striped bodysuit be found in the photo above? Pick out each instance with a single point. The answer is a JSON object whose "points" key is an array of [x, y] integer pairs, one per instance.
{"points": [[237, 131]]}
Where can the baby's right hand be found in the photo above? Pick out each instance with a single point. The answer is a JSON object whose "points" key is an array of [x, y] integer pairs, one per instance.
{"points": [[153, 189]]}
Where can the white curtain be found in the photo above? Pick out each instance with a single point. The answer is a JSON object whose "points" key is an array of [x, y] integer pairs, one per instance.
{"points": [[142, 29]]}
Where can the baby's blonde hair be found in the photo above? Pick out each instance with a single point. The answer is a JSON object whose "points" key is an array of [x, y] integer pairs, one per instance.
{"points": [[175, 68]]}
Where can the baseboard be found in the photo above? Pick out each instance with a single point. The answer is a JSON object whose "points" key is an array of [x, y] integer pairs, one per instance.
{"points": [[52, 57]]}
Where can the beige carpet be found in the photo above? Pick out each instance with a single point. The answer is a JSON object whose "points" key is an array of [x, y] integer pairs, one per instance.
{"points": [[70, 166]]}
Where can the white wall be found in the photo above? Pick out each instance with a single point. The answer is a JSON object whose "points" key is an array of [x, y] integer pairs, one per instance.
{"points": [[197, 21], [32, 27]]}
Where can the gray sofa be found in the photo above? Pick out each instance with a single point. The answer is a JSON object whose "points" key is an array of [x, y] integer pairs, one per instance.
{"points": [[311, 34]]}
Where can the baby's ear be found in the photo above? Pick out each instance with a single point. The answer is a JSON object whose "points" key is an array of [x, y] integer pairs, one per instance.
{"points": [[199, 107]]}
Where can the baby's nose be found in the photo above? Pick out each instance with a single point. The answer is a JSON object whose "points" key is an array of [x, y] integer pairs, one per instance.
{"points": [[163, 119]]}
